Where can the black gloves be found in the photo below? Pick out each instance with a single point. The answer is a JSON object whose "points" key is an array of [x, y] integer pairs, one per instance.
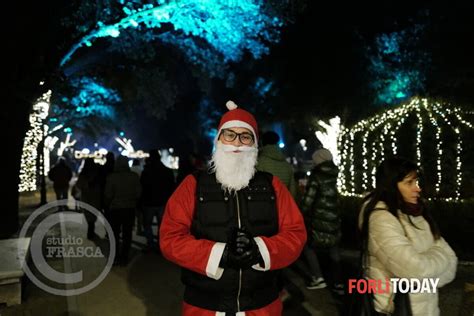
{"points": [[241, 251]]}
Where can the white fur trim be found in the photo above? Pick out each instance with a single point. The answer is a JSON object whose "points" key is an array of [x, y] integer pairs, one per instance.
{"points": [[237, 314], [265, 255], [231, 105], [212, 269], [236, 123]]}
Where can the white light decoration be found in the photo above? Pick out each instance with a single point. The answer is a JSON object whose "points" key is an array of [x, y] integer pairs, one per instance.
{"points": [[168, 159], [439, 144], [98, 155], [66, 144], [125, 143], [33, 137], [128, 149], [378, 136], [49, 144], [329, 137], [303, 144]]}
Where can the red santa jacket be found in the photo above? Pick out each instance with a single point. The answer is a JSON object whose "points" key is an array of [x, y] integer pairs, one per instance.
{"points": [[203, 256]]}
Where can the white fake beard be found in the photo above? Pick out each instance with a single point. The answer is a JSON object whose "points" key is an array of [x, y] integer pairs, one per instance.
{"points": [[234, 170]]}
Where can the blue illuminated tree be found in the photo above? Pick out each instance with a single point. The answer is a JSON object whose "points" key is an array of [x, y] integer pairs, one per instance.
{"points": [[85, 104], [398, 65], [209, 33], [208, 37]]}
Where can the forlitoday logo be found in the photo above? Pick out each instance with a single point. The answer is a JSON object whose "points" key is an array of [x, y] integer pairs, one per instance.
{"points": [[393, 285], [57, 238]]}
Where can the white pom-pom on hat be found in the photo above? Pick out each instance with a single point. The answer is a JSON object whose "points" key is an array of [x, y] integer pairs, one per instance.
{"points": [[231, 105]]}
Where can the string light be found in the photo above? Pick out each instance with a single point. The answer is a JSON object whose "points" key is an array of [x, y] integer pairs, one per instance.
{"points": [[439, 143], [381, 130], [419, 130], [33, 137]]}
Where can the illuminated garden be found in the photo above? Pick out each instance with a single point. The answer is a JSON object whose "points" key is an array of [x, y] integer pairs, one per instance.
{"points": [[90, 78]]}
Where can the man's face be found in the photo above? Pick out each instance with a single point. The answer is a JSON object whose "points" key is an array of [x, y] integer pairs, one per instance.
{"points": [[235, 157], [237, 136]]}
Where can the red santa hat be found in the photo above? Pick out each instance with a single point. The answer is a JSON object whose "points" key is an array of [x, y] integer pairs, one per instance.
{"points": [[236, 117]]}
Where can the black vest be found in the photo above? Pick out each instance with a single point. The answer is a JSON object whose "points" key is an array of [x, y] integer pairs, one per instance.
{"points": [[217, 214]]}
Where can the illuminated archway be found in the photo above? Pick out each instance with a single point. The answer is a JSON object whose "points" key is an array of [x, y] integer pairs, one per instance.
{"points": [[430, 131]]}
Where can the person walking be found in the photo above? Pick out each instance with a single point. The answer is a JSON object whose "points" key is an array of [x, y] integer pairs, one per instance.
{"points": [[157, 186], [61, 174], [321, 210], [122, 191]]}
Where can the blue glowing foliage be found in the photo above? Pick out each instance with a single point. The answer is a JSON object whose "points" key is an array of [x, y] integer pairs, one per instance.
{"points": [[398, 66], [93, 99], [230, 27], [85, 97], [211, 33], [262, 87], [208, 117]]}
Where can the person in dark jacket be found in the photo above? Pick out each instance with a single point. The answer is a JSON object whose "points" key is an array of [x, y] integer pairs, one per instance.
{"points": [[157, 186], [104, 172], [122, 191], [320, 208], [89, 187], [60, 174]]}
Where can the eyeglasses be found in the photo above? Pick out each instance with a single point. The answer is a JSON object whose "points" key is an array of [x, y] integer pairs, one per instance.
{"points": [[245, 138]]}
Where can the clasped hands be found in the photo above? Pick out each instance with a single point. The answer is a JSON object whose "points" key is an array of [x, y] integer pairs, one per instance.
{"points": [[241, 251]]}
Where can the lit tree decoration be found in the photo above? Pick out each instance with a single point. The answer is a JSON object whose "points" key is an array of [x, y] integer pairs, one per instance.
{"points": [[263, 87], [329, 137], [89, 99], [33, 137], [66, 144], [128, 149], [86, 105], [428, 132], [85, 97], [49, 144], [227, 27], [398, 65]]}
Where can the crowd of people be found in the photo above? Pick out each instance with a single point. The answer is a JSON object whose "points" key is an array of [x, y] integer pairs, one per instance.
{"points": [[128, 196], [236, 226]]}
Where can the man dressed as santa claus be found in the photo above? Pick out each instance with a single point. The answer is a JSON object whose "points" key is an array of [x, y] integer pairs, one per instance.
{"points": [[232, 228]]}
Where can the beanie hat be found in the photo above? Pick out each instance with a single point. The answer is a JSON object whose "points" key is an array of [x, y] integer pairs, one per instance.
{"points": [[321, 155], [236, 117], [270, 138]]}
